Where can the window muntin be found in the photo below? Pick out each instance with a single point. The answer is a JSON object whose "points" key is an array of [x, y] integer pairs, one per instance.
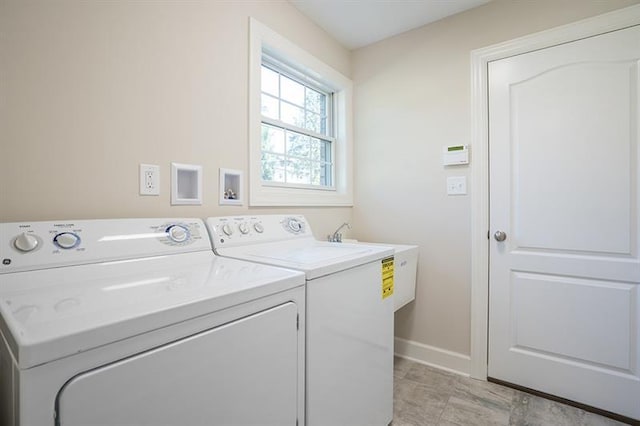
{"points": [[297, 147]]}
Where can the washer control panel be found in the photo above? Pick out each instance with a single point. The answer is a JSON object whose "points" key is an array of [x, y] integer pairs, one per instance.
{"points": [[39, 245], [229, 231]]}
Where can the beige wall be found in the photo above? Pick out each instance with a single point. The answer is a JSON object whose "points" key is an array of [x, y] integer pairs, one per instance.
{"points": [[90, 89], [412, 97]]}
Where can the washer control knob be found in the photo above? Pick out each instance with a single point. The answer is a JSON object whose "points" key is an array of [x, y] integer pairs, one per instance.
{"points": [[227, 229], [25, 242], [244, 228], [258, 227], [294, 225], [178, 233], [66, 240]]}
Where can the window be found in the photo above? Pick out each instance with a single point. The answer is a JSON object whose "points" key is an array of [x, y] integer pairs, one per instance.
{"points": [[297, 141], [300, 151]]}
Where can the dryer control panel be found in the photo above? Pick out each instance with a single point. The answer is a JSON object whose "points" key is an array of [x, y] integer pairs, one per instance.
{"points": [[233, 231], [28, 246]]}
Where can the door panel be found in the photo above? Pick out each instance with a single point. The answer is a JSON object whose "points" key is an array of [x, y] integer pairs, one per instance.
{"points": [[595, 133], [241, 373], [602, 336], [563, 294]]}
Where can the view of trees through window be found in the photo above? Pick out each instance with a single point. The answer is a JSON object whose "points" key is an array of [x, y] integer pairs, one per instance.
{"points": [[296, 142]]}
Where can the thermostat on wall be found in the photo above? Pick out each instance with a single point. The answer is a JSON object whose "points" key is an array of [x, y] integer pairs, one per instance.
{"points": [[455, 154]]}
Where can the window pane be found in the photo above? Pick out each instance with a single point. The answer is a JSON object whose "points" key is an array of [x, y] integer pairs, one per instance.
{"points": [[270, 81], [325, 174], [313, 122], [325, 151], [315, 101], [288, 153], [292, 114], [315, 174], [315, 149], [292, 91], [321, 174], [298, 145], [273, 167], [320, 150], [272, 139], [298, 171], [269, 107]]}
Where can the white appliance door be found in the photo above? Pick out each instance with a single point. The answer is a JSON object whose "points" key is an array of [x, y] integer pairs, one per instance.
{"points": [[241, 373], [564, 299], [349, 349]]}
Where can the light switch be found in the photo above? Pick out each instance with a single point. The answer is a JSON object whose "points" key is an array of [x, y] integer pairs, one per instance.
{"points": [[457, 185]]}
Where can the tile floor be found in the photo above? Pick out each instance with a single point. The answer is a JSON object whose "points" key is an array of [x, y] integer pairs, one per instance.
{"points": [[426, 396]]}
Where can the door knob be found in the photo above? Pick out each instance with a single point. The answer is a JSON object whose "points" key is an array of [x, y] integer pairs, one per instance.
{"points": [[500, 236]]}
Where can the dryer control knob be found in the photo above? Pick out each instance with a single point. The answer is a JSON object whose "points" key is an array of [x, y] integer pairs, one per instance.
{"points": [[228, 230], [258, 227], [178, 233], [66, 240], [244, 228], [25, 242]]}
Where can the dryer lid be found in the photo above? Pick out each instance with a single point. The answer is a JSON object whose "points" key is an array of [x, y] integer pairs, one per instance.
{"points": [[49, 314]]}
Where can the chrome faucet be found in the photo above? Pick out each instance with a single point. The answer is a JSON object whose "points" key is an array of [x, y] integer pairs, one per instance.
{"points": [[336, 237]]}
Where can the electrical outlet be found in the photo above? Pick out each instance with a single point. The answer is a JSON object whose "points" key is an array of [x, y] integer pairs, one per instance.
{"points": [[149, 179]]}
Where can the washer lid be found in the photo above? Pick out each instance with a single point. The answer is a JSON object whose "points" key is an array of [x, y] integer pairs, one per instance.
{"points": [[314, 258], [50, 314]]}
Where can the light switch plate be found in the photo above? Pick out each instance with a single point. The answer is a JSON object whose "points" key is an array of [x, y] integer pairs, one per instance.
{"points": [[149, 179], [457, 185]]}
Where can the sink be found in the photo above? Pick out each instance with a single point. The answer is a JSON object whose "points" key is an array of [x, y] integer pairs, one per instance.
{"points": [[405, 269]]}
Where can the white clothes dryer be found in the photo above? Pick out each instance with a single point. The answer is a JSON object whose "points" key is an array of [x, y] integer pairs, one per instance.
{"points": [[349, 370], [135, 321]]}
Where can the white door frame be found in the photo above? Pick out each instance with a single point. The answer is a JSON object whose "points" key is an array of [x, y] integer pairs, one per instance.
{"points": [[480, 58]]}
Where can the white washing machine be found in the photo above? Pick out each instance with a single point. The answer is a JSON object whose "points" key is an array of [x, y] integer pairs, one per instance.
{"points": [[136, 322], [349, 313]]}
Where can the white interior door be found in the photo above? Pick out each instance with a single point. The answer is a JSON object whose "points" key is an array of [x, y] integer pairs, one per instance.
{"points": [[564, 299]]}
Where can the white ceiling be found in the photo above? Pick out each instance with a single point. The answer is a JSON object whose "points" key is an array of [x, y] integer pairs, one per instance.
{"points": [[357, 23]]}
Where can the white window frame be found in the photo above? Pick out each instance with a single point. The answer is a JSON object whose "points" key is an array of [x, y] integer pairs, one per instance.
{"points": [[286, 71], [263, 40]]}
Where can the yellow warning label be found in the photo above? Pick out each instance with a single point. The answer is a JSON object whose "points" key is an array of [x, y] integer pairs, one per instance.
{"points": [[387, 277]]}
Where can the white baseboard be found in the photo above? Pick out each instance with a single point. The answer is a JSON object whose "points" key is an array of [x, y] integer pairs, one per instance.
{"points": [[435, 357]]}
